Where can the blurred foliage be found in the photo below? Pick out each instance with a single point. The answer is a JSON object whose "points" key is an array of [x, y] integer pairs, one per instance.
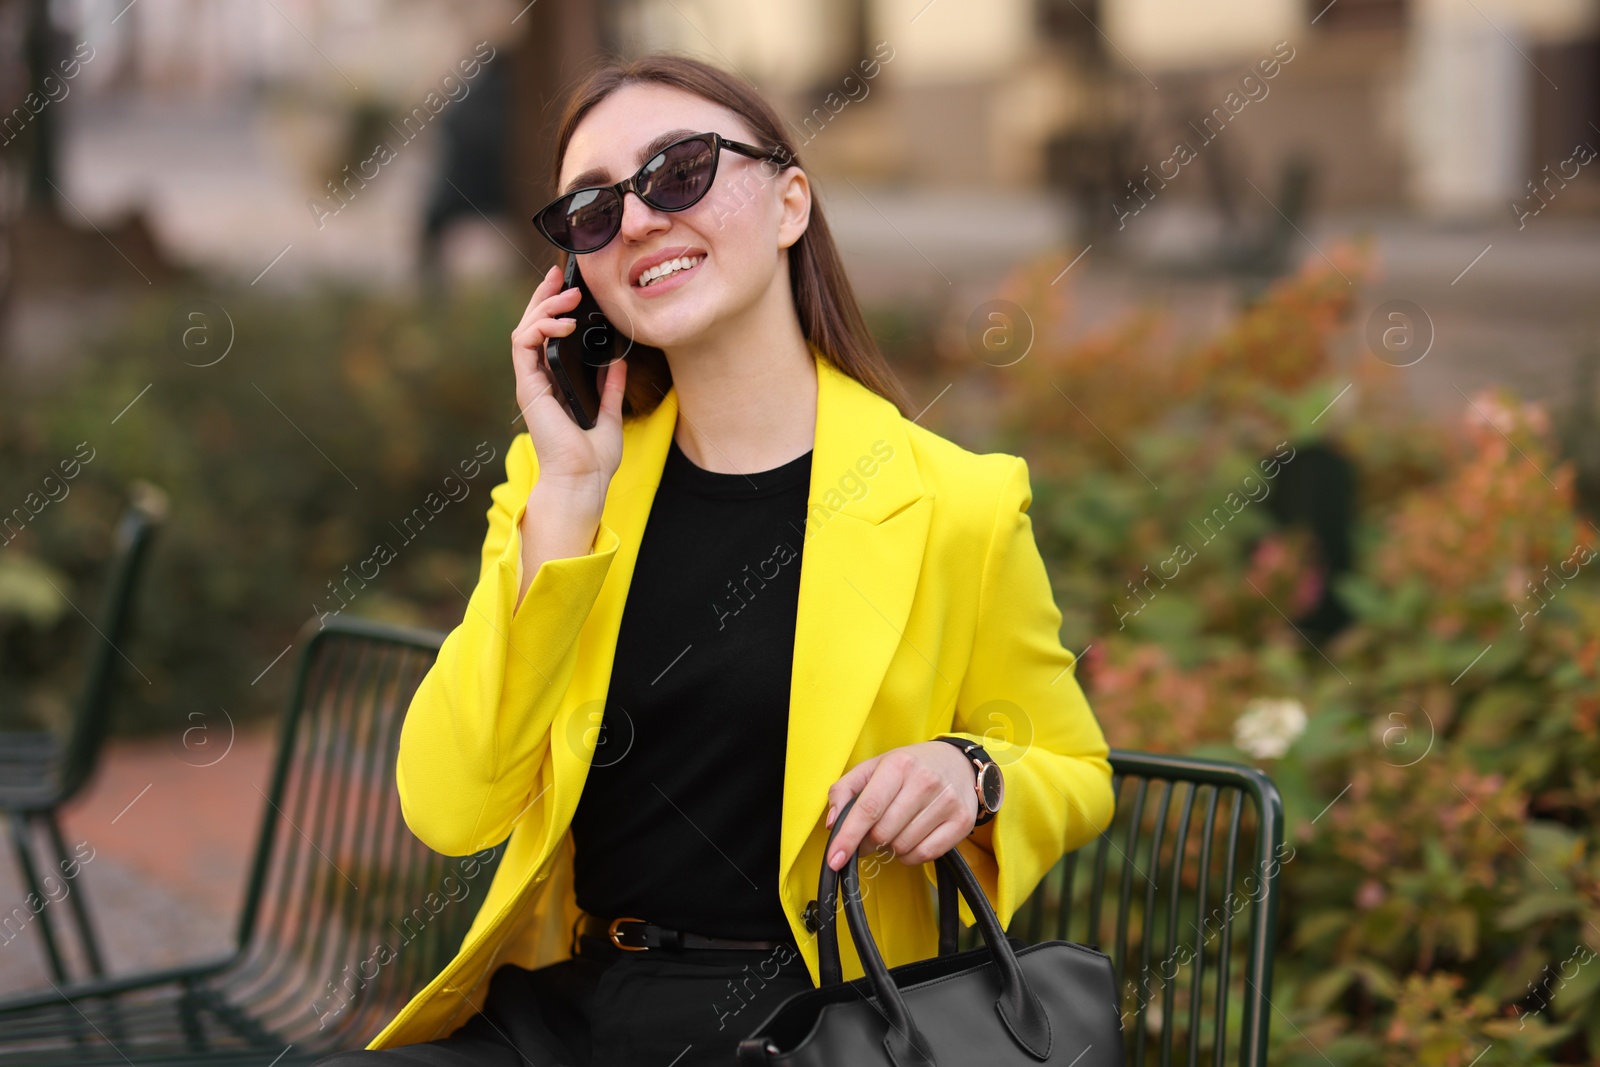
{"points": [[329, 421], [1440, 789]]}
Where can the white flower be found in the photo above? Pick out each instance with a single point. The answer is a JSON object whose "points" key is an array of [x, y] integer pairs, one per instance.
{"points": [[1268, 727]]}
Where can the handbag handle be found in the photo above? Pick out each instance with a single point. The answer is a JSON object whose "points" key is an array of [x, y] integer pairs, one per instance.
{"points": [[949, 917], [1018, 1006]]}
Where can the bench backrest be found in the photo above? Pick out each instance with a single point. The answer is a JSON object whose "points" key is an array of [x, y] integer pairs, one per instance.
{"points": [[1182, 891], [347, 914], [91, 719]]}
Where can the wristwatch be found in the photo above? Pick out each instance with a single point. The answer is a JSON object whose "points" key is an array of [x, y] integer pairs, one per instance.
{"points": [[990, 785]]}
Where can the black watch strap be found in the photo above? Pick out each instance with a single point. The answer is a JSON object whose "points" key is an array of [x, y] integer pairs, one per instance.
{"points": [[973, 751]]}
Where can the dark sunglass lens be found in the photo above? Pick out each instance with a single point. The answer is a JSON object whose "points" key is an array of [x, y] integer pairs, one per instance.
{"points": [[584, 221], [678, 176]]}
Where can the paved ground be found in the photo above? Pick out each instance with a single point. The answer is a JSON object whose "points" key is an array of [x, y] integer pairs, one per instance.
{"points": [[170, 842]]}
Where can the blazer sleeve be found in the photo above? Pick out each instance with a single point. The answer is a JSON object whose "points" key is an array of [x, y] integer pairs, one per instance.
{"points": [[1021, 700], [478, 726]]}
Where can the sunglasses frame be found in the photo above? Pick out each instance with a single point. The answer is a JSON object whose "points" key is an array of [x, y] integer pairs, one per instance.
{"points": [[631, 184]]}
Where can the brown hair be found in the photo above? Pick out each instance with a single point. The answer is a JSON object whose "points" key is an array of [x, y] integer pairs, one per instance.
{"points": [[829, 315]]}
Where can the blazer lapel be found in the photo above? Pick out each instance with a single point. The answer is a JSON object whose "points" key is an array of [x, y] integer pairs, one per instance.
{"points": [[863, 543], [863, 549]]}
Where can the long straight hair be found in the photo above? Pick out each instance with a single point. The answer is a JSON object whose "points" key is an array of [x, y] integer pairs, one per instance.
{"points": [[826, 305]]}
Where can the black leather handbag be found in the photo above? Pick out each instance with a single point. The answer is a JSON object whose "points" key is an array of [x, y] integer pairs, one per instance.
{"points": [[1000, 1004]]}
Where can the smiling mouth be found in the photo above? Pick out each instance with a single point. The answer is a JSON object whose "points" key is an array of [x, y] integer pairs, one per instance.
{"points": [[668, 269]]}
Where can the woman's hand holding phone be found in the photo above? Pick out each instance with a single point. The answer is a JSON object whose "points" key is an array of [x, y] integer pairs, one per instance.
{"points": [[575, 465]]}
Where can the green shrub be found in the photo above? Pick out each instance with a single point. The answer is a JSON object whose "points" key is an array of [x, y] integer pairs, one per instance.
{"points": [[1441, 785]]}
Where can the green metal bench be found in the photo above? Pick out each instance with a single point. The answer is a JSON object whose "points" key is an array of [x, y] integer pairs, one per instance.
{"points": [[335, 874], [1181, 890], [40, 772]]}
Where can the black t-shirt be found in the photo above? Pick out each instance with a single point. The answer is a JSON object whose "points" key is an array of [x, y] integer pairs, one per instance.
{"points": [[679, 820]]}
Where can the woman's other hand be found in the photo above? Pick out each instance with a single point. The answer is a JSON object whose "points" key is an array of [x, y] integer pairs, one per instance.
{"points": [[919, 800]]}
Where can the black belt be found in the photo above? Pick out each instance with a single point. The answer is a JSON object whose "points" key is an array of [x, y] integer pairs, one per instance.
{"points": [[636, 935]]}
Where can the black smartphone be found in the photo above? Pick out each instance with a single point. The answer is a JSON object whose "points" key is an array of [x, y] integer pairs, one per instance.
{"points": [[574, 362]]}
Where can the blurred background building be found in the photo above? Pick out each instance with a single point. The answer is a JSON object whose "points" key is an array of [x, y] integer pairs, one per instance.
{"points": [[203, 136]]}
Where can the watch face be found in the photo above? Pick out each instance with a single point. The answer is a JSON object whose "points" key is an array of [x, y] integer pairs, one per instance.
{"points": [[993, 787]]}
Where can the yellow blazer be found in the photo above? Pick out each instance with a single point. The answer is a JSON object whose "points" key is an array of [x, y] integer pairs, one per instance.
{"points": [[924, 609]]}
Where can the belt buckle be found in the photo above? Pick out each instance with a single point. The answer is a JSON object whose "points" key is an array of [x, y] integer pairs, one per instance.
{"points": [[611, 932]]}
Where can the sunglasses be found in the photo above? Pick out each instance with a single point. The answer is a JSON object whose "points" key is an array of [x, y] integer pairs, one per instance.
{"points": [[675, 178]]}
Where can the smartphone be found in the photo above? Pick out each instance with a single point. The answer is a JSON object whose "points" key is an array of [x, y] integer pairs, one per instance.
{"points": [[574, 362]]}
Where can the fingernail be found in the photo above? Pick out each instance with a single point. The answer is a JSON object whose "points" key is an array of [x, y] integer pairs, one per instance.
{"points": [[837, 859], [830, 815]]}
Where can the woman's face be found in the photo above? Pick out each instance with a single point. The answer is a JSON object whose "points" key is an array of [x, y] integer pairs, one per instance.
{"points": [[739, 229]]}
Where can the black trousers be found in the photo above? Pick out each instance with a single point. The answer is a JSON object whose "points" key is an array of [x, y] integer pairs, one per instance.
{"points": [[609, 1007]]}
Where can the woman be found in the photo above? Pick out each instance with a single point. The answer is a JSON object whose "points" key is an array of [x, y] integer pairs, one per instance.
{"points": [[753, 590]]}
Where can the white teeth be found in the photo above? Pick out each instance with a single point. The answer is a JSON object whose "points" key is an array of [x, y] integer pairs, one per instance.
{"points": [[664, 269]]}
